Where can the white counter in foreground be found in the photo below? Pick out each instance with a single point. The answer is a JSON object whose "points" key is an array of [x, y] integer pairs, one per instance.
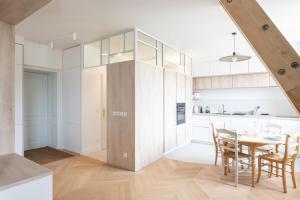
{"points": [[23, 179]]}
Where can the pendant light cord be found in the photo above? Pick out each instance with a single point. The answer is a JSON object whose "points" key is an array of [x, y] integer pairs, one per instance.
{"points": [[234, 34]]}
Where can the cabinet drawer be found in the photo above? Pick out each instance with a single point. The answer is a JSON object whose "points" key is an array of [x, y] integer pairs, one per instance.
{"points": [[200, 121], [200, 134]]}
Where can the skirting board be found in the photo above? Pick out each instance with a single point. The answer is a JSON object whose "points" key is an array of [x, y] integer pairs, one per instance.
{"points": [[188, 142], [91, 149]]}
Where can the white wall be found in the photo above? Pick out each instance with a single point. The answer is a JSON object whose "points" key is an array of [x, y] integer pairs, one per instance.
{"points": [[93, 105], [271, 100], [71, 99]]}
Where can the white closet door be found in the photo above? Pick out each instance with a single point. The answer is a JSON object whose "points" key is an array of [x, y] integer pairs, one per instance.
{"points": [[91, 110], [35, 110]]}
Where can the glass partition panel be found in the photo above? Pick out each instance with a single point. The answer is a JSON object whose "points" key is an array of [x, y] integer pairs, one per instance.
{"points": [[129, 41], [92, 53], [121, 57], [171, 58], [105, 52], [116, 44], [146, 53], [146, 39]]}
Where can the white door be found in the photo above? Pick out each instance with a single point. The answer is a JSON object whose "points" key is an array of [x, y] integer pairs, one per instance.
{"points": [[93, 110], [35, 110]]}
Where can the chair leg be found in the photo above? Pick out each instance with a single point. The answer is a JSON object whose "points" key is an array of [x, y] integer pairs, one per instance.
{"points": [[277, 169], [284, 177], [225, 166], [293, 174], [236, 172], [271, 169], [216, 156], [259, 169]]}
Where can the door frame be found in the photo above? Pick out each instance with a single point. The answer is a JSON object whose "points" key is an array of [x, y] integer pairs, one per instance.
{"points": [[58, 72]]}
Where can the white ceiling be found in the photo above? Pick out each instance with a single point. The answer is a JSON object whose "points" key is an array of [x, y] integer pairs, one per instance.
{"points": [[200, 28]]}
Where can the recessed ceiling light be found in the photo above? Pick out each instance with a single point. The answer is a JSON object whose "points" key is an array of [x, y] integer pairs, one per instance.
{"points": [[74, 36]]}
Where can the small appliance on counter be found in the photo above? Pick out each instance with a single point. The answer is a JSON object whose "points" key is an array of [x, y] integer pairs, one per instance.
{"points": [[197, 109]]}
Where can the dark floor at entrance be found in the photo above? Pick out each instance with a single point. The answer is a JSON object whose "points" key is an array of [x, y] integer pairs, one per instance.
{"points": [[46, 155]]}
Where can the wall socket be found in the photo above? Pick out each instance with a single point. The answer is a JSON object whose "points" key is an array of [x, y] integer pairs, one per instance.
{"points": [[119, 114], [125, 155]]}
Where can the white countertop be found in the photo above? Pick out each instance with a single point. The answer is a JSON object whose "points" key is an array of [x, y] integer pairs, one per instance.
{"points": [[16, 170], [248, 116]]}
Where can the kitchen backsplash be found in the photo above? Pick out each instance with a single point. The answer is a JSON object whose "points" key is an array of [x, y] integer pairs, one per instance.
{"points": [[270, 100]]}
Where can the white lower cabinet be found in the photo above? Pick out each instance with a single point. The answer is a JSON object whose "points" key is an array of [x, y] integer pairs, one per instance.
{"points": [[181, 136], [200, 134], [201, 129]]}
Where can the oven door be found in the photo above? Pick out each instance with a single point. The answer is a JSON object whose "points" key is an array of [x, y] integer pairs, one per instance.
{"points": [[180, 113]]}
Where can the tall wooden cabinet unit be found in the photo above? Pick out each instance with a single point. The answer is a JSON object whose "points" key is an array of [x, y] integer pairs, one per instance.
{"points": [[170, 90], [135, 114]]}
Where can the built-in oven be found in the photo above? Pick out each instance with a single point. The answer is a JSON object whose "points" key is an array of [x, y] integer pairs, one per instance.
{"points": [[180, 107]]}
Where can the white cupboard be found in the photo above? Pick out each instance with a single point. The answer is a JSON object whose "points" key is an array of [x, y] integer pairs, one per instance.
{"points": [[170, 89], [219, 68]]}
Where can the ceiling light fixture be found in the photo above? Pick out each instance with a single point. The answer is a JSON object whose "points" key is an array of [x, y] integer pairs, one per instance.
{"points": [[235, 57], [74, 36]]}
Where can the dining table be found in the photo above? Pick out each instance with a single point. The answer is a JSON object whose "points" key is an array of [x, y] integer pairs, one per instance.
{"points": [[253, 141]]}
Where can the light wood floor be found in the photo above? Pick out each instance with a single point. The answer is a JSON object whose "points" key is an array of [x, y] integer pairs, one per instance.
{"points": [[83, 178]]}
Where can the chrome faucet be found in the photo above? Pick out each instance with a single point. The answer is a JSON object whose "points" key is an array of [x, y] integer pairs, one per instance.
{"points": [[223, 109]]}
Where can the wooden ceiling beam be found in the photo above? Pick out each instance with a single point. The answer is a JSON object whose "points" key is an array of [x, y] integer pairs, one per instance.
{"points": [[14, 11], [279, 57]]}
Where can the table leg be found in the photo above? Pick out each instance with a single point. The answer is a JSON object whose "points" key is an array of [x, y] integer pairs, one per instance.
{"points": [[253, 163]]}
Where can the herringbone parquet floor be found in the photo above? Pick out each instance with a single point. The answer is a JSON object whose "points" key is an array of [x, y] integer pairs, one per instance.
{"points": [[82, 178]]}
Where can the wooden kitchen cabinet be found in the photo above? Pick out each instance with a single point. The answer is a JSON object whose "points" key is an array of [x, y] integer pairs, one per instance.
{"points": [[251, 80], [202, 83], [221, 82]]}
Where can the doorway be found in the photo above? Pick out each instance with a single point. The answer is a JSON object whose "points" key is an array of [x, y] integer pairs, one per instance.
{"points": [[94, 113], [40, 116]]}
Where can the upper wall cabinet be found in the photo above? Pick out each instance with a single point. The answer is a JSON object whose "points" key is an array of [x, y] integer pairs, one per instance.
{"points": [[40, 55], [71, 57], [172, 59], [92, 53], [239, 67], [255, 65], [219, 68], [200, 69]]}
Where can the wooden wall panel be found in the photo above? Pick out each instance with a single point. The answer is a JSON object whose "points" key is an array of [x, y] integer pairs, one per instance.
{"points": [[148, 114], [14, 11], [7, 90], [121, 130], [269, 43]]}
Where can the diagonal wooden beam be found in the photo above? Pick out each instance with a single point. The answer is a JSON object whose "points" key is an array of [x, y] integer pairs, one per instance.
{"points": [[14, 11], [281, 60]]}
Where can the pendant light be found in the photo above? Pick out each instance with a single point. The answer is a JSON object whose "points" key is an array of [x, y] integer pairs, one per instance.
{"points": [[235, 57]]}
